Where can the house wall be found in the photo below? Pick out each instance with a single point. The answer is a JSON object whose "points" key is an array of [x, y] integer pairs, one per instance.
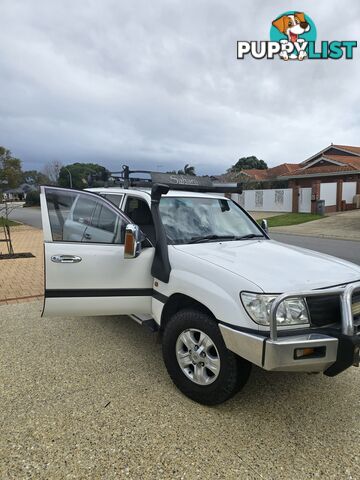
{"points": [[308, 182], [271, 200], [346, 187]]}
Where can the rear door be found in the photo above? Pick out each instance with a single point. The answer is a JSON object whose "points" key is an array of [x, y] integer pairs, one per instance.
{"points": [[85, 269]]}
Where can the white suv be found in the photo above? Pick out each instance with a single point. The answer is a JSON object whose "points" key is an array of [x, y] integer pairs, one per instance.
{"points": [[197, 268]]}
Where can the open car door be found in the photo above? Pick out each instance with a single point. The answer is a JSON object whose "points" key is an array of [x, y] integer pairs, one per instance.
{"points": [[85, 269]]}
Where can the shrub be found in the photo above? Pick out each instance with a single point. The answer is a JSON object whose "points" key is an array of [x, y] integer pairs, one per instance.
{"points": [[32, 199]]}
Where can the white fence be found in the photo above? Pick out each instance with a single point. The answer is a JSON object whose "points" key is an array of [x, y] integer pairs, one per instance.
{"points": [[349, 190], [274, 200], [328, 193], [280, 200], [305, 200]]}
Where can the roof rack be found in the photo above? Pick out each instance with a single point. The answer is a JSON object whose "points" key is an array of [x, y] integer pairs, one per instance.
{"points": [[189, 183]]}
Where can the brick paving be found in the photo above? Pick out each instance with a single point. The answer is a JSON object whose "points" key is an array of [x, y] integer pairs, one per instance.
{"points": [[22, 279]]}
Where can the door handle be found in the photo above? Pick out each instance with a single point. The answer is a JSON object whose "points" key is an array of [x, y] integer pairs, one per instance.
{"points": [[87, 236], [66, 259]]}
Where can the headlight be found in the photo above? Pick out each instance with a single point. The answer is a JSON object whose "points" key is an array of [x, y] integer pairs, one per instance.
{"points": [[290, 312]]}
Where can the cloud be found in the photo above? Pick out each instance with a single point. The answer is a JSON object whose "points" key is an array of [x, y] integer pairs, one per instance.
{"points": [[159, 84]]}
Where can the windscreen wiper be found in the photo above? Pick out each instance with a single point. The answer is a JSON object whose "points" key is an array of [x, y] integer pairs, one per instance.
{"points": [[208, 238], [250, 235]]}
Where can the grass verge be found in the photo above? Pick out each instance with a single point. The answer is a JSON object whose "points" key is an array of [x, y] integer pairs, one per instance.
{"points": [[10, 223], [291, 219]]}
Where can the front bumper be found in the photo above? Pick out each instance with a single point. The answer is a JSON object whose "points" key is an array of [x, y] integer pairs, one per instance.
{"points": [[334, 351]]}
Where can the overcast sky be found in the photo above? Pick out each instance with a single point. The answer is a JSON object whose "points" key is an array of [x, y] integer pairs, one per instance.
{"points": [[158, 83]]}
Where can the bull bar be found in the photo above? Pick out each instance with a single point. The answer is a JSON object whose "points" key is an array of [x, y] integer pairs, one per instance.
{"points": [[345, 292]]}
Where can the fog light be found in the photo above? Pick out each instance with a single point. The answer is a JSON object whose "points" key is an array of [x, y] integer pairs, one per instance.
{"points": [[303, 352]]}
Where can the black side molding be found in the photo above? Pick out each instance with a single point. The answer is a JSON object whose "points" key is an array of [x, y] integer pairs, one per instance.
{"points": [[106, 292], [159, 296]]}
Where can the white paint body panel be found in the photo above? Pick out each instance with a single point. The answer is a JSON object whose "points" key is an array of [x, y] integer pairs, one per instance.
{"points": [[274, 267], [101, 267], [212, 273]]}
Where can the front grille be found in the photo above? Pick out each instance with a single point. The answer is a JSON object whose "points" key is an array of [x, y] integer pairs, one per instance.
{"points": [[356, 303], [326, 310]]}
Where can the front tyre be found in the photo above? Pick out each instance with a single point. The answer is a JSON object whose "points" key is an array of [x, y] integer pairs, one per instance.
{"points": [[198, 361]]}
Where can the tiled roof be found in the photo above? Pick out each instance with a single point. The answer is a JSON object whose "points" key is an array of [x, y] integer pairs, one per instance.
{"points": [[341, 150], [321, 169], [257, 174], [282, 169], [348, 148], [352, 161]]}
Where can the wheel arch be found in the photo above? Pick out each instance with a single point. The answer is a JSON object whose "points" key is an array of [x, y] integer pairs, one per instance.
{"points": [[179, 301]]}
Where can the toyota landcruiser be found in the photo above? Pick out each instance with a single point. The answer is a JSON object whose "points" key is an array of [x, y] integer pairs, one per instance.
{"points": [[180, 257]]}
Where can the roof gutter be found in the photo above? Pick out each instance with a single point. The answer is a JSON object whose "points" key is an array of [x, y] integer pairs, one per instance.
{"points": [[317, 175]]}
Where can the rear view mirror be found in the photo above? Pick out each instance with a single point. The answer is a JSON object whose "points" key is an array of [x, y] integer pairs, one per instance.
{"points": [[264, 225], [132, 244]]}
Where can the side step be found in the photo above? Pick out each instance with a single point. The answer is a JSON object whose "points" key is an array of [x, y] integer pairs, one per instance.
{"points": [[146, 321]]}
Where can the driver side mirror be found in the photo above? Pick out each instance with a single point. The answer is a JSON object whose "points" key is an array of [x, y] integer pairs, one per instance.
{"points": [[264, 225], [132, 244]]}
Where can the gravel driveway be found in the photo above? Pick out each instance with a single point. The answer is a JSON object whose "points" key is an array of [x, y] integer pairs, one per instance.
{"points": [[90, 398]]}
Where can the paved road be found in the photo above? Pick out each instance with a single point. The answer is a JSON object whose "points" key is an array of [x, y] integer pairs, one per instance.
{"points": [[90, 398], [29, 216], [346, 249], [349, 250]]}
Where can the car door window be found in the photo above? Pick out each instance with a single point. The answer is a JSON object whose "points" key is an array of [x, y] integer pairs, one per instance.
{"points": [[113, 198], [83, 210], [78, 217], [139, 212]]}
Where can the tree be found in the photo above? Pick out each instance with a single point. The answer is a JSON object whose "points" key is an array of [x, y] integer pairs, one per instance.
{"points": [[248, 163], [83, 175], [10, 169], [52, 171], [32, 199], [188, 170], [33, 177]]}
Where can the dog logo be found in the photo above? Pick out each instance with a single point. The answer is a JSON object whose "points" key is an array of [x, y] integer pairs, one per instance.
{"points": [[289, 29], [293, 37]]}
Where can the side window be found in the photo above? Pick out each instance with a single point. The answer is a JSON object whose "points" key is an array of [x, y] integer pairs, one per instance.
{"points": [[113, 198], [78, 217], [107, 220], [83, 210], [139, 212]]}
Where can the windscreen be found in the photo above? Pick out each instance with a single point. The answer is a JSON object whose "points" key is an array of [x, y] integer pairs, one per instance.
{"points": [[189, 218]]}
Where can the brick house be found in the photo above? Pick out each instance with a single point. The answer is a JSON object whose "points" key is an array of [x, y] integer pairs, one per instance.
{"points": [[257, 176], [333, 174]]}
